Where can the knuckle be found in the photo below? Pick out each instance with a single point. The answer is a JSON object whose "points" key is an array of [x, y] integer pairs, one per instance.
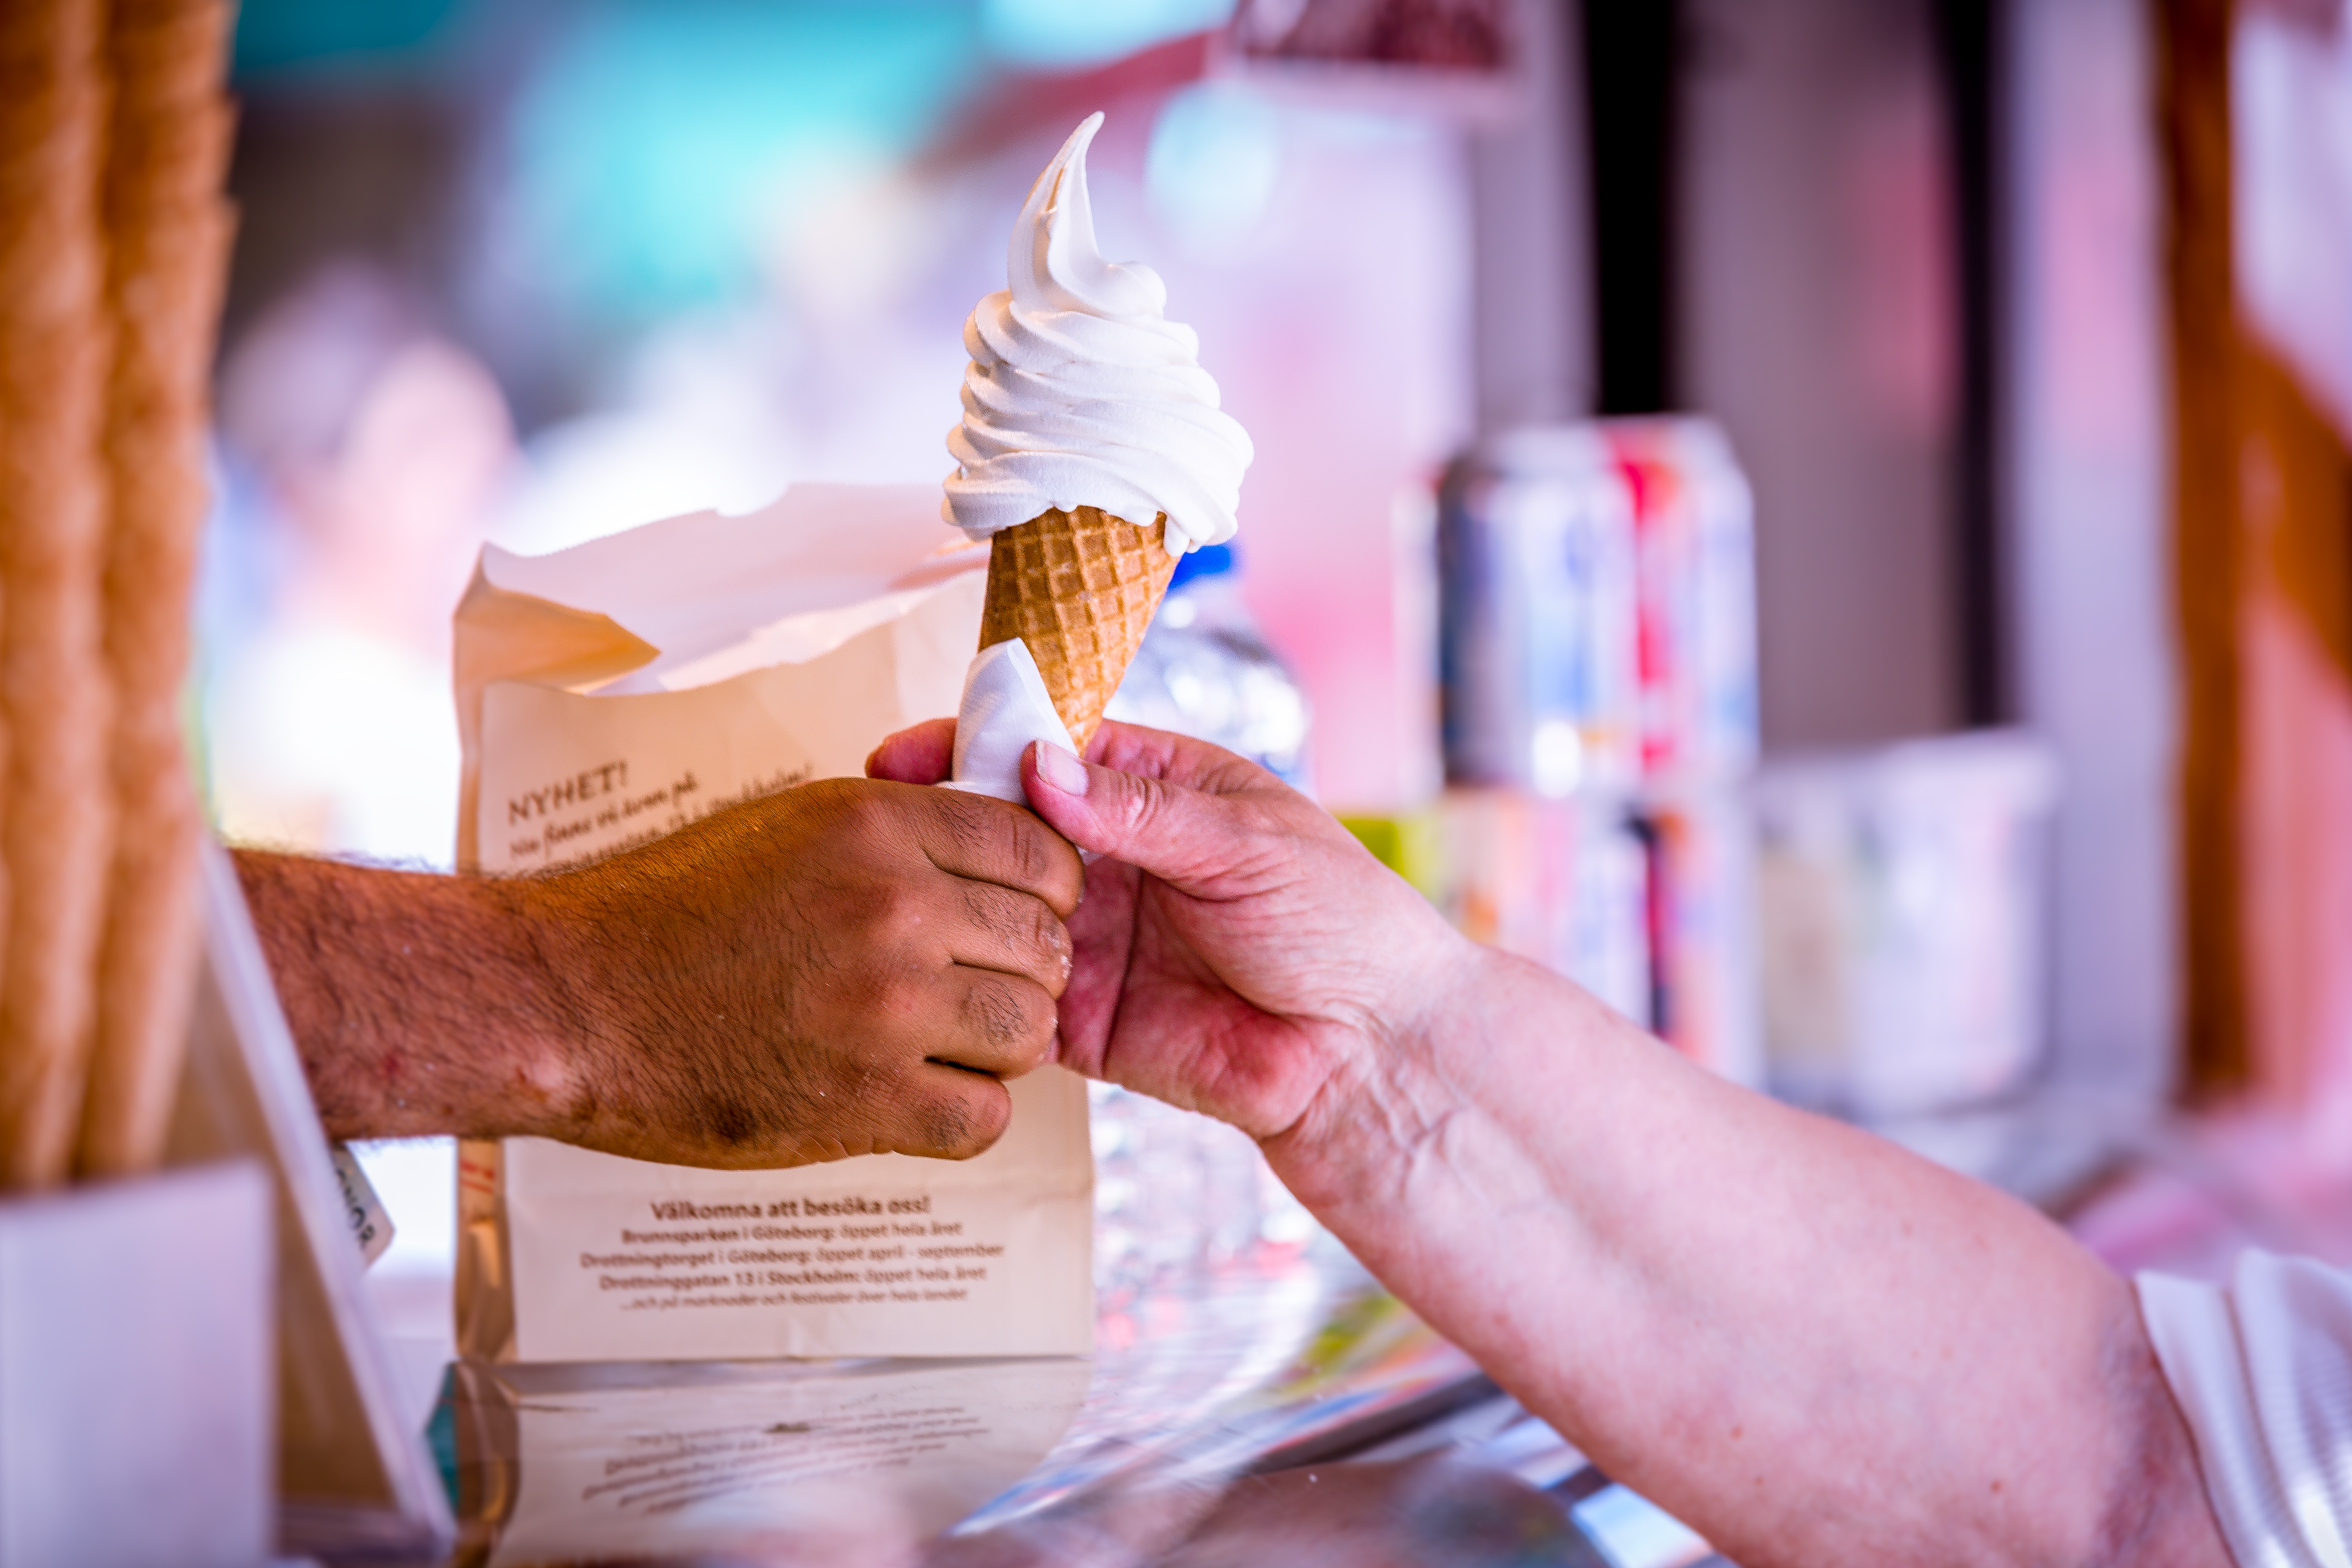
{"points": [[961, 1125], [1146, 804], [879, 993], [1032, 854], [1033, 1049], [998, 1010], [965, 819], [864, 811], [1021, 925], [1019, 922], [1045, 937], [1049, 946], [897, 916], [831, 796], [899, 992]]}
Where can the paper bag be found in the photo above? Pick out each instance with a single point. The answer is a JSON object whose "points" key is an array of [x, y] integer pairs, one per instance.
{"points": [[621, 690]]}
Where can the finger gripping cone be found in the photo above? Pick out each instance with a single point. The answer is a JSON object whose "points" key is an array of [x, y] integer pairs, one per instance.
{"points": [[1079, 587]]}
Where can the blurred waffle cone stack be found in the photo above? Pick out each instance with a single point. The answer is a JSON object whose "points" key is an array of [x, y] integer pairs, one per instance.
{"points": [[55, 800], [168, 232], [113, 137], [1079, 587]]}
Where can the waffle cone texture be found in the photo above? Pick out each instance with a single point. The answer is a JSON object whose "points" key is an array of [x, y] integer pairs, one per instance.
{"points": [[56, 352], [115, 136], [1079, 588]]}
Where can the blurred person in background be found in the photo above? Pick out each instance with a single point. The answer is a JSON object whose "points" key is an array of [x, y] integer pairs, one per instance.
{"points": [[367, 455]]}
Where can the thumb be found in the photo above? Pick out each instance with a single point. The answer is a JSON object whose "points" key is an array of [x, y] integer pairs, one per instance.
{"points": [[922, 753], [1180, 835]]}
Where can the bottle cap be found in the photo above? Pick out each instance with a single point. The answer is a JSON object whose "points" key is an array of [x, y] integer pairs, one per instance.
{"points": [[1209, 561]]}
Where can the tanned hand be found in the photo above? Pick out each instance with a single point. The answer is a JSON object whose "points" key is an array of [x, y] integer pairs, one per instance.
{"points": [[851, 967]]}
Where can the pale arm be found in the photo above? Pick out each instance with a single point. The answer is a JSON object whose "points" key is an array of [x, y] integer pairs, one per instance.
{"points": [[1815, 1348]]}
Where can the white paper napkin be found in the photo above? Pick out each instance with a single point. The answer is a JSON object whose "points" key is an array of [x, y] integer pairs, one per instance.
{"points": [[1005, 706]]}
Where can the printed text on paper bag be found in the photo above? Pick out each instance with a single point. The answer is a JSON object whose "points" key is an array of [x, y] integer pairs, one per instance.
{"points": [[802, 1252], [597, 812]]}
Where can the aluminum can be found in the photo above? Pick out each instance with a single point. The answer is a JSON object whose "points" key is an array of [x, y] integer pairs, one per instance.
{"points": [[1694, 569], [1538, 621]]}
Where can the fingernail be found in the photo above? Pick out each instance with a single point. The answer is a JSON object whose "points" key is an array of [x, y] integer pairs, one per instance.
{"points": [[1061, 769]]}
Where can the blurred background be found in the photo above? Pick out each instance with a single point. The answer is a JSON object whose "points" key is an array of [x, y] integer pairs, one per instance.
{"points": [[1981, 622]]}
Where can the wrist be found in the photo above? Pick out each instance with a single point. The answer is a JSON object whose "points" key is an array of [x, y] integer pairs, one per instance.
{"points": [[1389, 1088], [558, 1024], [1438, 998], [420, 1003]]}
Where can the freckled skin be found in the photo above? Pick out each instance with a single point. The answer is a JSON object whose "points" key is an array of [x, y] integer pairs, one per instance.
{"points": [[846, 968], [1817, 1349]]}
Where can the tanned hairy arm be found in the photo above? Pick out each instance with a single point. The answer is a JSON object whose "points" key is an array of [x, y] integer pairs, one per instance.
{"points": [[850, 967]]}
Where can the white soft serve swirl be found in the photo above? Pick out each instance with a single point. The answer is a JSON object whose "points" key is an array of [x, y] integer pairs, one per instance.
{"points": [[1081, 392]]}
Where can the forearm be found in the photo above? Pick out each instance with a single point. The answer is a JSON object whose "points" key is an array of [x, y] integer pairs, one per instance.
{"points": [[420, 1003], [845, 968], [1815, 1347]]}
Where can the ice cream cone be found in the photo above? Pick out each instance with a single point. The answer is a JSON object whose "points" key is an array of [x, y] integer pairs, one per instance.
{"points": [[1079, 587]]}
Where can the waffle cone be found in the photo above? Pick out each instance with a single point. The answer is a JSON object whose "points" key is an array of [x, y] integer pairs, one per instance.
{"points": [[1079, 587]]}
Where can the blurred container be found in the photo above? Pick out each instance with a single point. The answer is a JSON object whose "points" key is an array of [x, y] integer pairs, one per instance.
{"points": [[1694, 556], [1649, 902], [1205, 670], [1598, 650], [1702, 928], [1598, 591], [1177, 1194], [1902, 895], [1537, 615], [1180, 1198], [138, 1371], [1564, 883]]}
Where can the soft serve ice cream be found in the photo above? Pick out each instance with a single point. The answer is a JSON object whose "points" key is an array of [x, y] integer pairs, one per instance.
{"points": [[1081, 392], [1091, 454]]}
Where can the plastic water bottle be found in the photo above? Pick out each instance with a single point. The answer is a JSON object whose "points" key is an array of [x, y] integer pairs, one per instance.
{"points": [[1183, 1203], [1205, 670]]}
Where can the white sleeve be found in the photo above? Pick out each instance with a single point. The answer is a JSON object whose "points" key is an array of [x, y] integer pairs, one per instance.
{"points": [[2262, 1370]]}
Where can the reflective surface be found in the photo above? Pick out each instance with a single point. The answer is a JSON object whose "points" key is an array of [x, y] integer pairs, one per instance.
{"points": [[1254, 1398], [821, 1461]]}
